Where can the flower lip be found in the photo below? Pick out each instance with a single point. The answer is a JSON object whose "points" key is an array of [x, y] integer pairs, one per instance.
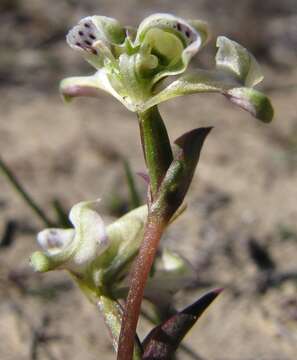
{"points": [[72, 249], [172, 38], [131, 64], [170, 23], [53, 240]]}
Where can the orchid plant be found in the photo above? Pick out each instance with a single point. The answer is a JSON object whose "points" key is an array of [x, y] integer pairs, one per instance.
{"points": [[142, 68]]}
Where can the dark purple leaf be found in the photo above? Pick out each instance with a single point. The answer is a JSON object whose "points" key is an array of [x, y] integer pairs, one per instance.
{"points": [[162, 342]]}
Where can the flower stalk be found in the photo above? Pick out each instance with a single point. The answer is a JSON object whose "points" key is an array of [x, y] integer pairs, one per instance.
{"points": [[173, 175], [152, 235], [156, 146], [158, 156]]}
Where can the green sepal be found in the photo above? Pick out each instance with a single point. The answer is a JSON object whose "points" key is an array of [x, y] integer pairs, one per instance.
{"points": [[112, 30], [41, 263], [253, 101], [235, 59]]}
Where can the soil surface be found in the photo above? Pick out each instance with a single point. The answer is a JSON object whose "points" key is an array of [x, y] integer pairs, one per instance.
{"points": [[239, 230]]}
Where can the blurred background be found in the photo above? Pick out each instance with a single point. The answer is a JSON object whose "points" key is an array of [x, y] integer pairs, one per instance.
{"points": [[240, 229]]}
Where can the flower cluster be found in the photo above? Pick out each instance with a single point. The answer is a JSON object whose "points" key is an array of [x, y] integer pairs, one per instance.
{"points": [[99, 257], [132, 64]]}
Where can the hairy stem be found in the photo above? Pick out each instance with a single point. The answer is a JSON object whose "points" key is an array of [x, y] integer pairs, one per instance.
{"points": [[152, 235]]}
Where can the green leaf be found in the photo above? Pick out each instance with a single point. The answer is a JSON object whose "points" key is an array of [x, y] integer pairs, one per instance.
{"points": [[188, 149], [180, 173], [23, 193], [135, 198], [61, 214]]}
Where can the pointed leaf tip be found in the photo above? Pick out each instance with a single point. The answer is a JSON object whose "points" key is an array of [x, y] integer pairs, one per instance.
{"points": [[193, 140], [162, 342], [188, 149], [198, 307]]}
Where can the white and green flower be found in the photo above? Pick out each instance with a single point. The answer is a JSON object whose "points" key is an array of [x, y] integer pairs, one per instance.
{"points": [[72, 249], [100, 257], [132, 64]]}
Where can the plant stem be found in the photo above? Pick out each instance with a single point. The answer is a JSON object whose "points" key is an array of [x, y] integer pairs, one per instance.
{"points": [[24, 194], [156, 146], [158, 156], [152, 235]]}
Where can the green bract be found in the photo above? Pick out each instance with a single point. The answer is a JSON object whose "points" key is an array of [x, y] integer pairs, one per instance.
{"points": [[132, 64], [171, 273], [100, 257]]}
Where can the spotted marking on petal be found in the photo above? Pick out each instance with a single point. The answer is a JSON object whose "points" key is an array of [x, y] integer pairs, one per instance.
{"points": [[165, 21], [54, 239], [189, 34], [84, 35]]}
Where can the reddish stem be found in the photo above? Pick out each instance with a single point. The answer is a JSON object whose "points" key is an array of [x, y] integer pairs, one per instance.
{"points": [[152, 235]]}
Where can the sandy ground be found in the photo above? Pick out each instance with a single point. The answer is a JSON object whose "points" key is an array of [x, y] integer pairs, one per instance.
{"points": [[243, 197]]}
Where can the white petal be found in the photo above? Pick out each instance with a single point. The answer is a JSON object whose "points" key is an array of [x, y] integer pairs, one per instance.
{"points": [[53, 240], [82, 38], [192, 40], [90, 235], [91, 86]]}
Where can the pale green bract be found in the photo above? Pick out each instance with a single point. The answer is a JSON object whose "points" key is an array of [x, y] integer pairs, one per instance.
{"points": [[99, 258], [132, 64]]}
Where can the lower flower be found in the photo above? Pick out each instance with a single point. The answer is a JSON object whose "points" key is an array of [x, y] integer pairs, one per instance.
{"points": [[99, 257]]}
